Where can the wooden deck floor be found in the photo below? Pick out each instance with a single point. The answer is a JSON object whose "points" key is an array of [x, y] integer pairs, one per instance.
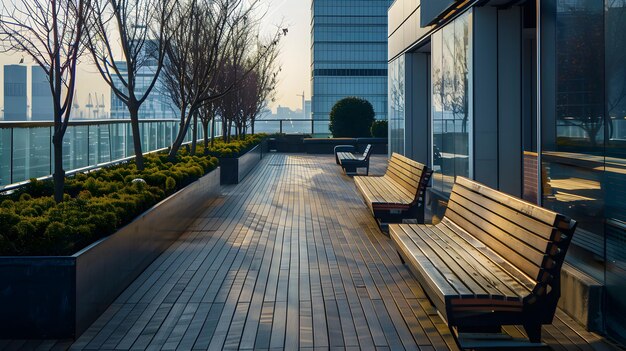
{"points": [[288, 259]]}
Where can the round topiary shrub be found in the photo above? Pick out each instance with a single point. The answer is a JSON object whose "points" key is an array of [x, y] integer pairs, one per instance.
{"points": [[379, 129], [351, 117]]}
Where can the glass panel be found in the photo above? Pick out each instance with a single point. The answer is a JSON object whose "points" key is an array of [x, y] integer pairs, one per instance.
{"points": [[39, 152], [451, 109], [31, 153], [615, 165], [296, 127], [261, 126], [5, 156], [397, 105], [573, 159], [322, 129]]}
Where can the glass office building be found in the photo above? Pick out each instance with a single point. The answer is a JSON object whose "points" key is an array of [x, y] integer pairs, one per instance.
{"points": [[348, 53], [15, 101], [530, 99]]}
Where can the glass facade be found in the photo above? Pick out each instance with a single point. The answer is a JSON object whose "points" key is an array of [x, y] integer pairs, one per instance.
{"points": [[584, 145], [349, 54], [397, 105], [451, 60]]}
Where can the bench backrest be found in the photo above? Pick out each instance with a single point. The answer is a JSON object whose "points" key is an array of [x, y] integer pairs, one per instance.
{"points": [[532, 239], [412, 176], [368, 151]]}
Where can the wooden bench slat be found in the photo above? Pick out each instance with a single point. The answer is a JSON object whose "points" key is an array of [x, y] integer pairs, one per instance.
{"points": [[446, 264], [496, 275], [522, 278], [371, 186], [538, 228], [432, 282], [491, 226], [541, 214], [399, 193], [528, 267]]}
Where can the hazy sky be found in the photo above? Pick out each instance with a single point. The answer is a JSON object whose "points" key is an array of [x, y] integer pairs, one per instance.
{"points": [[295, 56]]}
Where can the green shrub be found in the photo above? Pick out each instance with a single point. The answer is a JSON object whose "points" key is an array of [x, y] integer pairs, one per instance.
{"points": [[379, 129], [95, 205], [351, 117], [235, 148]]}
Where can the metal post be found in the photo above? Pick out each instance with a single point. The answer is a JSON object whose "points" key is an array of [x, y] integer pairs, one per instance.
{"points": [[539, 117], [51, 147], [281, 126], [312, 127], [12, 147], [88, 147]]}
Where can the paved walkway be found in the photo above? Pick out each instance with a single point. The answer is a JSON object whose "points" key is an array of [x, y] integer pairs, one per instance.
{"points": [[288, 259]]}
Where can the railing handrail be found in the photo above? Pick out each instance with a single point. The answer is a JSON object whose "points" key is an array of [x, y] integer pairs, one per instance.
{"points": [[79, 122], [88, 122]]}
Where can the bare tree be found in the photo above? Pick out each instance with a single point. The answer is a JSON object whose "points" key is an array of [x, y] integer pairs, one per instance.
{"points": [[194, 56], [259, 88], [50, 32], [140, 27], [212, 36]]}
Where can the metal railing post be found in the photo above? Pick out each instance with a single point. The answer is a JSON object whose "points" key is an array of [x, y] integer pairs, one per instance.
{"points": [[88, 147], [12, 149], [312, 127]]}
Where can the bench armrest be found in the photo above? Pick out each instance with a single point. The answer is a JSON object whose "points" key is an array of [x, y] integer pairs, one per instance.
{"points": [[343, 148]]}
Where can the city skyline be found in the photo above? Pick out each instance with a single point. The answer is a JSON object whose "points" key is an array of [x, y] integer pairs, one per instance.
{"points": [[294, 59]]}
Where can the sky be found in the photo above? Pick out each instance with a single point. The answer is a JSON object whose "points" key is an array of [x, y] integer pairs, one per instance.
{"points": [[294, 58]]}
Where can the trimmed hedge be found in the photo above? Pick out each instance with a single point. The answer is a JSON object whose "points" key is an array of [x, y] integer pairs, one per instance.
{"points": [[234, 149], [379, 129], [96, 204]]}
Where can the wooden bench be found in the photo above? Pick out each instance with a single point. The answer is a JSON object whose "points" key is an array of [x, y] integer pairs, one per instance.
{"points": [[350, 162], [493, 260], [399, 194]]}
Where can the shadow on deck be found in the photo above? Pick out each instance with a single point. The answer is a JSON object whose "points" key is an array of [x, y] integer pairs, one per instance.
{"points": [[289, 259]]}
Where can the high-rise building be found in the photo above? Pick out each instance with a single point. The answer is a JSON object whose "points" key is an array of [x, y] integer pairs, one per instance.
{"points": [[349, 53], [41, 97], [307, 109], [158, 105], [15, 104]]}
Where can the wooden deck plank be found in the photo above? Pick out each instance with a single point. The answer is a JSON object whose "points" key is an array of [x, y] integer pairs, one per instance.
{"points": [[288, 259]]}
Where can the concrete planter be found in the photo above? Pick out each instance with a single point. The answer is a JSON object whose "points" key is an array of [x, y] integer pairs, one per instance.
{"points": [[60, 297], [235, 169]]}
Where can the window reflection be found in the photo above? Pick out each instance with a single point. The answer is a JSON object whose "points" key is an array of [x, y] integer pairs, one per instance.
{"points": [[397, 105], [451, 110], [584, 158]]}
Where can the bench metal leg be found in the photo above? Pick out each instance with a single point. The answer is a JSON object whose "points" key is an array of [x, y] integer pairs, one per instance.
{"points": [[534, 332], [401, 258], [349, 170]]}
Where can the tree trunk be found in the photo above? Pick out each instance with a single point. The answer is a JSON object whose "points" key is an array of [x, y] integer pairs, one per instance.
{"points": [[252, 127], [194, 135], [225, 124], [213, 131], [230, 130], [134, 122], [59, 174], [178, 142], [205, 132]]}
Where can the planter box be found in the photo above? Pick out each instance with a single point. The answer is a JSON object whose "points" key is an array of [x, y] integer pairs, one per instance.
{"points": [[235, 169], [290, 143], [327, 145], [60, 297]]}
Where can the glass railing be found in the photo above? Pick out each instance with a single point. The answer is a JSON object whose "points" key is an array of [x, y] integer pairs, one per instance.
{"points": [[313, 127], [26, 147]]}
